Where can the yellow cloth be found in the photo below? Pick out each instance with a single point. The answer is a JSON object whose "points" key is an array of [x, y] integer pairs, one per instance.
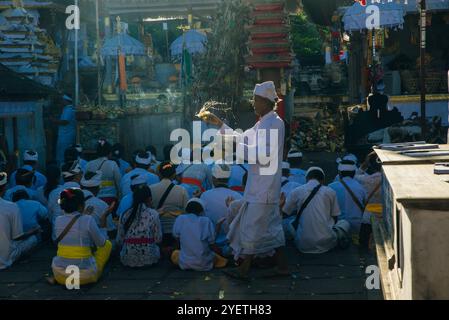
{"points": [[101, 257], [219, 261], [355, 239], [375, 208], [74, 252], [105, 184]]}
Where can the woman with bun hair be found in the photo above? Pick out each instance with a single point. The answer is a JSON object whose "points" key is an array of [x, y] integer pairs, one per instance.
{"points": [[76, 234], [139, 231]]}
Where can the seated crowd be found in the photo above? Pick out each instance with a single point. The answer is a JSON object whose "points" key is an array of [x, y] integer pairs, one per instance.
{"points": [[149, 210]]}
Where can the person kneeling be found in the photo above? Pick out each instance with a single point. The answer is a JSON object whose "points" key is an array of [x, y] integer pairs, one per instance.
{"points": [[315, 225], [14, 243], [140, 231], [197, 237], [76, 234]]}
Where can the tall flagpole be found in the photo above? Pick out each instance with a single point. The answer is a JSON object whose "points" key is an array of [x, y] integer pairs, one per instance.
{"points": [[76, 61], [99, 91], [423, 26]]}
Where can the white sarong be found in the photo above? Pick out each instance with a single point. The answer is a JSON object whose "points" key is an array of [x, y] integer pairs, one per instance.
{"points": [[257, 230]]}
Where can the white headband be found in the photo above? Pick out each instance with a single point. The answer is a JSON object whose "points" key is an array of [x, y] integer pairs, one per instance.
{"points": [[347, 167], [285, 165], [138, 180], [296, 154], [315, 169], [197, 200], [144, 161], [30, 156], [67, 98], [221, 171], [348, 157], [3, 178]]}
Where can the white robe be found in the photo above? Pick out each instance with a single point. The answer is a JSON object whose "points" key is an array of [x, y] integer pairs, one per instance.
{"points": [[257, 229]]}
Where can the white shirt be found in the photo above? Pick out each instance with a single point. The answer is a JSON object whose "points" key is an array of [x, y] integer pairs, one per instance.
{"points": [[110, 177], [288, 186], [54, 209], [298, 176], [349, 210], [99, 207], [31, 212], [314, 234], [237, 174], [10, 193], [262, 186], [177, 197], [10, 228], [195, 234], [215, 203], [39, 179], [125, 184]]}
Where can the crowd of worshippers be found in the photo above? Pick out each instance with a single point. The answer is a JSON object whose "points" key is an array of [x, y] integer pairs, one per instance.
{"points": [[150, 210]]}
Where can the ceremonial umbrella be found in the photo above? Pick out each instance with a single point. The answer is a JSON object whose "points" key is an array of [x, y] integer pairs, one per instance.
{"points": [[391, 15]]}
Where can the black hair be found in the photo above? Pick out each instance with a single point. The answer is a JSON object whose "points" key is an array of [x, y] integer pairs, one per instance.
{"points": [[71, 154], [152, 149], [24, 177], [20, 195], [286, 172], [3, 175], [29, 163], [374, 165], [167, 170], [71, 200], [195, 208], [67, 167], [295, 162], [88, 176], [140, 196], [315, 174], [143, 155], [103, 148], [350, 174], [118, 150], [53, 178]]}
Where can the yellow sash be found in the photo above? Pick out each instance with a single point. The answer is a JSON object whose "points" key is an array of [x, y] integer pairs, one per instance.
{"points": [[375, 208], [108, 183], [69, 252]]}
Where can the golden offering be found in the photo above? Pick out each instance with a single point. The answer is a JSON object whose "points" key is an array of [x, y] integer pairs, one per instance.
{"points": [[204, 114]]}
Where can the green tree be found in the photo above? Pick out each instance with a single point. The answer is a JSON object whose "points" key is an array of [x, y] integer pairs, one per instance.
{"points": [[307, 39]]}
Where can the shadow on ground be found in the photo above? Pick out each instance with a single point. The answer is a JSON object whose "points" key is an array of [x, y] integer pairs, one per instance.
{"points": [[334, 275]]}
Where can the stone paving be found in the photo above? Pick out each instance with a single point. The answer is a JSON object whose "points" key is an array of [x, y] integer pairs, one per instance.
{"points": [[334, 275]]}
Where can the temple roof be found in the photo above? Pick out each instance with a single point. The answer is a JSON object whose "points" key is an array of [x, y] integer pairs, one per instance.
{"points": [[14, 85]]}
